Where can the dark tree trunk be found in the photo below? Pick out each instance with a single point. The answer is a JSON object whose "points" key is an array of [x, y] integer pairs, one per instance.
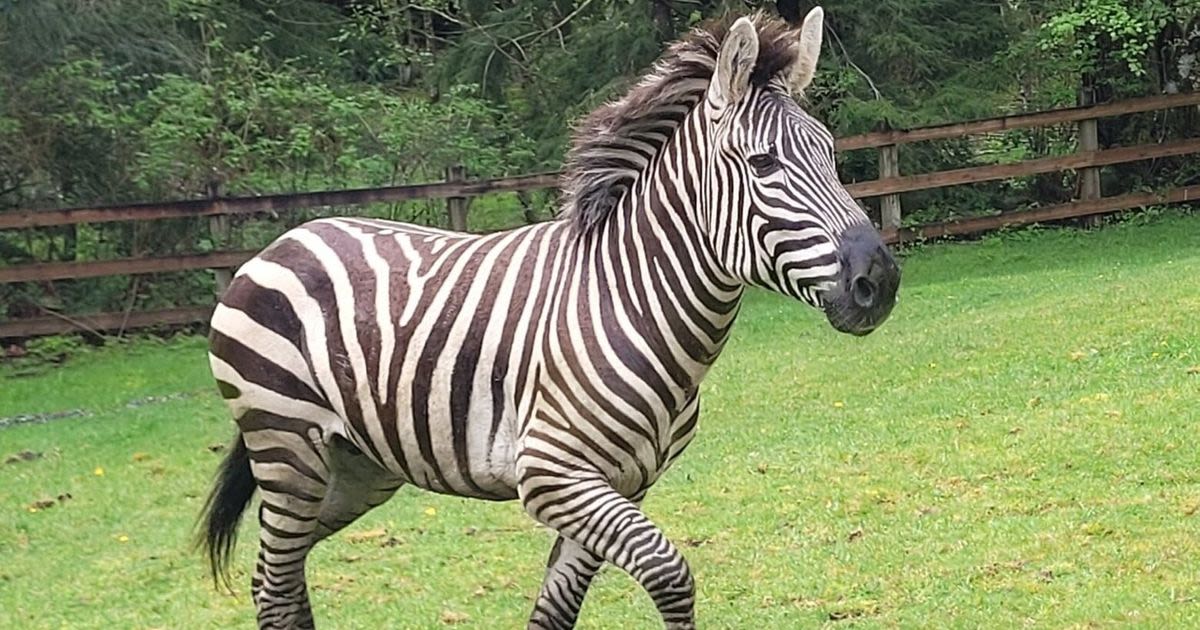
{"points": [[661, 14], [789, 10]]}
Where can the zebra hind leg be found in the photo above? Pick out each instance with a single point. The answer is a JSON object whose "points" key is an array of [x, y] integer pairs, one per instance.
{"points": [[356, 487], [610, 526], [308, 495], [289, 464]]}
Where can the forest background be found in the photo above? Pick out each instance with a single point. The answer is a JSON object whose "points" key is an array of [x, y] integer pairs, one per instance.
{"points": [[117, 101]]}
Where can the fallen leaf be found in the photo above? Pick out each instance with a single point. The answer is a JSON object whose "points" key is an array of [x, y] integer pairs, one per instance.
{"points": [[452, 617], [122, 538], [99, 472], [838, 404], [853, 612], [42, 504], [1076, 355], [140, 457], [430, 511], [364, 536], [762, 468]]}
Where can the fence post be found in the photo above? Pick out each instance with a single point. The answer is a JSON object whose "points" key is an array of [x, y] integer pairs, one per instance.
{"points": [[218, 232], [889, 205], [456, 207], [1089, 140]]}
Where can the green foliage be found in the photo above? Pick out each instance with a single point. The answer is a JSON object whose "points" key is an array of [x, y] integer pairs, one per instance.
{"points": [[54, 349], [1096, 28], [125, 100]]}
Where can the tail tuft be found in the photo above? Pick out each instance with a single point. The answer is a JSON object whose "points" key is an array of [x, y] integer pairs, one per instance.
{"points": [[223, 510]]}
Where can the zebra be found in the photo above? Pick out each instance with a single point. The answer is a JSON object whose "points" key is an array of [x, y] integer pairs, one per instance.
{"points": [[557, 364]]}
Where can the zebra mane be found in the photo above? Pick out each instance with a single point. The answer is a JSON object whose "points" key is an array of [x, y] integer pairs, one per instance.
{"points": [[613, 145]]}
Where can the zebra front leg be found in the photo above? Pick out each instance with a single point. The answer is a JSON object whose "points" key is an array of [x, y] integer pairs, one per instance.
{"points": [[569, 571], [599, 520]]}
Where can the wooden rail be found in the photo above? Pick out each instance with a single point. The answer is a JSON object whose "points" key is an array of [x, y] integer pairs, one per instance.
{"points": [[993, 172], [274, 203], [457, 192], [41, 272], [1071, 210], [59, 324], [1018, 121]]}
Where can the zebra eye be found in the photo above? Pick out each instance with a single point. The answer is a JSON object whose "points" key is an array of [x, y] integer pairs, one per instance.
{"points": [[763, 164]]}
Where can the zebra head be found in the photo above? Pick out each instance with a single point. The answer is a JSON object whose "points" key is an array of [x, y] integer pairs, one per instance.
{"points": [[777, 214]]}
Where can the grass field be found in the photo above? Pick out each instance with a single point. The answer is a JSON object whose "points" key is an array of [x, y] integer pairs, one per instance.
{"points": [[1016, 447]]}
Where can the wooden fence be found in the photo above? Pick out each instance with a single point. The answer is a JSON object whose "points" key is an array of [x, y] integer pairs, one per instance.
{"points": [[455, 190]]}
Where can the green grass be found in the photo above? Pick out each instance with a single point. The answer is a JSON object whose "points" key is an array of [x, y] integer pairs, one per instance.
{"points": [[1016, 447]]}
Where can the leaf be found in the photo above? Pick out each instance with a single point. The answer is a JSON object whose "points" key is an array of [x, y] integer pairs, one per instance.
{"points": [[365, 536], [453, 617]]}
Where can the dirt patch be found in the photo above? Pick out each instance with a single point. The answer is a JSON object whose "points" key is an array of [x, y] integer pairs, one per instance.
{"points": [[41, 418], [23, 456], [45, 504]]}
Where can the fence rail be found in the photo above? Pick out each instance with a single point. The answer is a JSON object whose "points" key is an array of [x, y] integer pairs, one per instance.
{"points": [[1017, 121], [274, 203], [456, 191], [977, 174]]}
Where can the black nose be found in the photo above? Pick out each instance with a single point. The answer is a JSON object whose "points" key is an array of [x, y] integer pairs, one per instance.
{"points": [[863, 290], [866, 290]]}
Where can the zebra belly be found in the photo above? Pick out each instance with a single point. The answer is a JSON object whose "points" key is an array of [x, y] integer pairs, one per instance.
{"points": [[441, 449]]}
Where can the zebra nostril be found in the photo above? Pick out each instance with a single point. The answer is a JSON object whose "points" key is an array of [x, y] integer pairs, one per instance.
{"points": [[863, 291]]}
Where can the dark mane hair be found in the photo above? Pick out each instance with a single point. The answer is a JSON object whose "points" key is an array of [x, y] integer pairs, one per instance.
{"points": [[613, 144]]}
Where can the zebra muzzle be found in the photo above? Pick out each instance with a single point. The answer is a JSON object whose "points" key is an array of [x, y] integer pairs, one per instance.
{"points": [[865, 290]]}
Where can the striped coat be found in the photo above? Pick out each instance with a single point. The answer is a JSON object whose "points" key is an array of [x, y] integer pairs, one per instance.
{"points": [[558, 364]]}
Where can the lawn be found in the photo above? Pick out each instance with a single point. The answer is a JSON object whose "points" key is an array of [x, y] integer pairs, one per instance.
{"points": [[1015, 447]]}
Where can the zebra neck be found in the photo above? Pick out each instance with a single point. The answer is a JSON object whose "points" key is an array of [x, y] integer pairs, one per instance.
{"points": [[657, 271]]}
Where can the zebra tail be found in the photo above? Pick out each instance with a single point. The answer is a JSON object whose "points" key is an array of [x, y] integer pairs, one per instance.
{"points": [[223, 510]]}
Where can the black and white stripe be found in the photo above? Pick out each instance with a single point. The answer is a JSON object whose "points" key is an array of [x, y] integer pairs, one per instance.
{"points": [[558, 364]]}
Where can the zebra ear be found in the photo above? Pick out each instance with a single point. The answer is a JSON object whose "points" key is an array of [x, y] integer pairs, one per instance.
{"points": [[735, 62], [808, 50]]}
